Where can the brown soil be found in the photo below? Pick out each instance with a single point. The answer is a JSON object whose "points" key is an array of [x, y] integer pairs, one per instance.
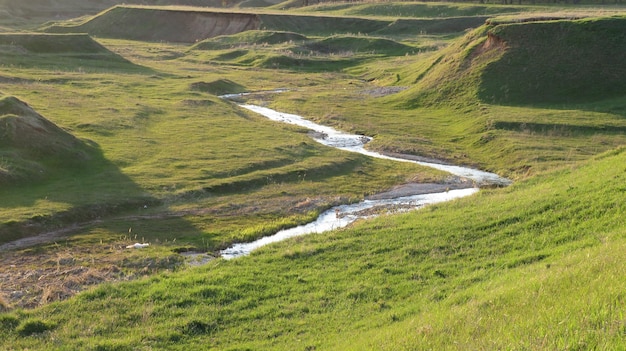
{"points": [[33, 277]]}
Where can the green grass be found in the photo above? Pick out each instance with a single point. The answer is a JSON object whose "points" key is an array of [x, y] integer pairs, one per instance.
{"points": [[134, 122], [549, 245], [172, 164], [68, 52], [586, 52]]}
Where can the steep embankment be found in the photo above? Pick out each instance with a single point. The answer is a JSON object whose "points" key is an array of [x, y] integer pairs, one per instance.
{"points": [[534, 62], [163, 24], [33, 12], [195, 24], [556, 62]]}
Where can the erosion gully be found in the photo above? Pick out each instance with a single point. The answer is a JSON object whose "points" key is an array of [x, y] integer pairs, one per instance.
{"points": [[341, 216]]}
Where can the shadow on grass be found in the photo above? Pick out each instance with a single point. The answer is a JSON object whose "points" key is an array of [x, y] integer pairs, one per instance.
{"points": [[53, 183]]}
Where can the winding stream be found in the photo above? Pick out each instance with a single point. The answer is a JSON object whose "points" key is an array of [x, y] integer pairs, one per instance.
{"points": [[341, 216]]}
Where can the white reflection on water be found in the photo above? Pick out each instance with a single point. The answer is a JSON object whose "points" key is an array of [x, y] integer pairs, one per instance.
{"points": [[341, 216]]}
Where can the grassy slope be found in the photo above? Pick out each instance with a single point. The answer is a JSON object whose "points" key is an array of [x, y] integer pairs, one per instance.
{"points": [[415, 9], [34, 148], [402, 282], [171, 24], [586, 65], [534, 266], [53, 51], [445, 102]]}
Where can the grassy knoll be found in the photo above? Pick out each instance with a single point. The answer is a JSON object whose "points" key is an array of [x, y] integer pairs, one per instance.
{"points": [[532, 266]]}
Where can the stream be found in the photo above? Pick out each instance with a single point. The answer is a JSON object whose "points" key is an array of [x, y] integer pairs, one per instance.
{"points": [[341, 216]]}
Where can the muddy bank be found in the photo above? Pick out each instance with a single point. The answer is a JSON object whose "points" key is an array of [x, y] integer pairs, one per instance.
{"points": [[43, 274], [410, 189]]}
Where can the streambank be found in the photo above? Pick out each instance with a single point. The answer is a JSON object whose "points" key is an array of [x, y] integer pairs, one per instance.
{"points": [[463, 182]]}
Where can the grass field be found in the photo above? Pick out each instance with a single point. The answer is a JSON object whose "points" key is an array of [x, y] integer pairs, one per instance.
{"points": [[107, 140]]}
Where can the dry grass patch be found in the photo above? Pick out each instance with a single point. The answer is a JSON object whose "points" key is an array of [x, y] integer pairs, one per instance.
{"points": [[4, 303]]}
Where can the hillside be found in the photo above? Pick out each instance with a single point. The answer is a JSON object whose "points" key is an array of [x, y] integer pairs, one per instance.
{"points": [[36, 12], [31, 147], [163, 24], [60, 51], [556, 61], [36, 43], [581, 61], [189, 25], [550, 245]]}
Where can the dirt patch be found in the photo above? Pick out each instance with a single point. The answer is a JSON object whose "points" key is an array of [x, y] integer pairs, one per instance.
{"points": [[383, 91], [33, 277], [423, 188]]}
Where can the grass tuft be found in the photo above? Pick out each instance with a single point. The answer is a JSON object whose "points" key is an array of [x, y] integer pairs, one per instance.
{"points": [[33, 326]]}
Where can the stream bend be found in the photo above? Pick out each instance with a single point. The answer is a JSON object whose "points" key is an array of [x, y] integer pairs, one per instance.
{"points": [[341, 216]]}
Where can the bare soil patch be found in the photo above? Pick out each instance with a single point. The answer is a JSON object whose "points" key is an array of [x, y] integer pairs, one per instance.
{"points": [[44, 274]]}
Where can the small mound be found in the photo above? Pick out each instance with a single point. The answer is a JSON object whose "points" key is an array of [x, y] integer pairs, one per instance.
{"points": [[248, 38], [339, 44], [218, 87], [32, 147]]}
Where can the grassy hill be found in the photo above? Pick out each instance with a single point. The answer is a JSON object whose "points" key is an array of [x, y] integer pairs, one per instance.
{"points": [[534, 62], [162, 24], [534, 266], [581, 61]]}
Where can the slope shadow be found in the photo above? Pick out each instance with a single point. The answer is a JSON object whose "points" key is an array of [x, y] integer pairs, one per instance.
{"points": [[53, 182]]}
